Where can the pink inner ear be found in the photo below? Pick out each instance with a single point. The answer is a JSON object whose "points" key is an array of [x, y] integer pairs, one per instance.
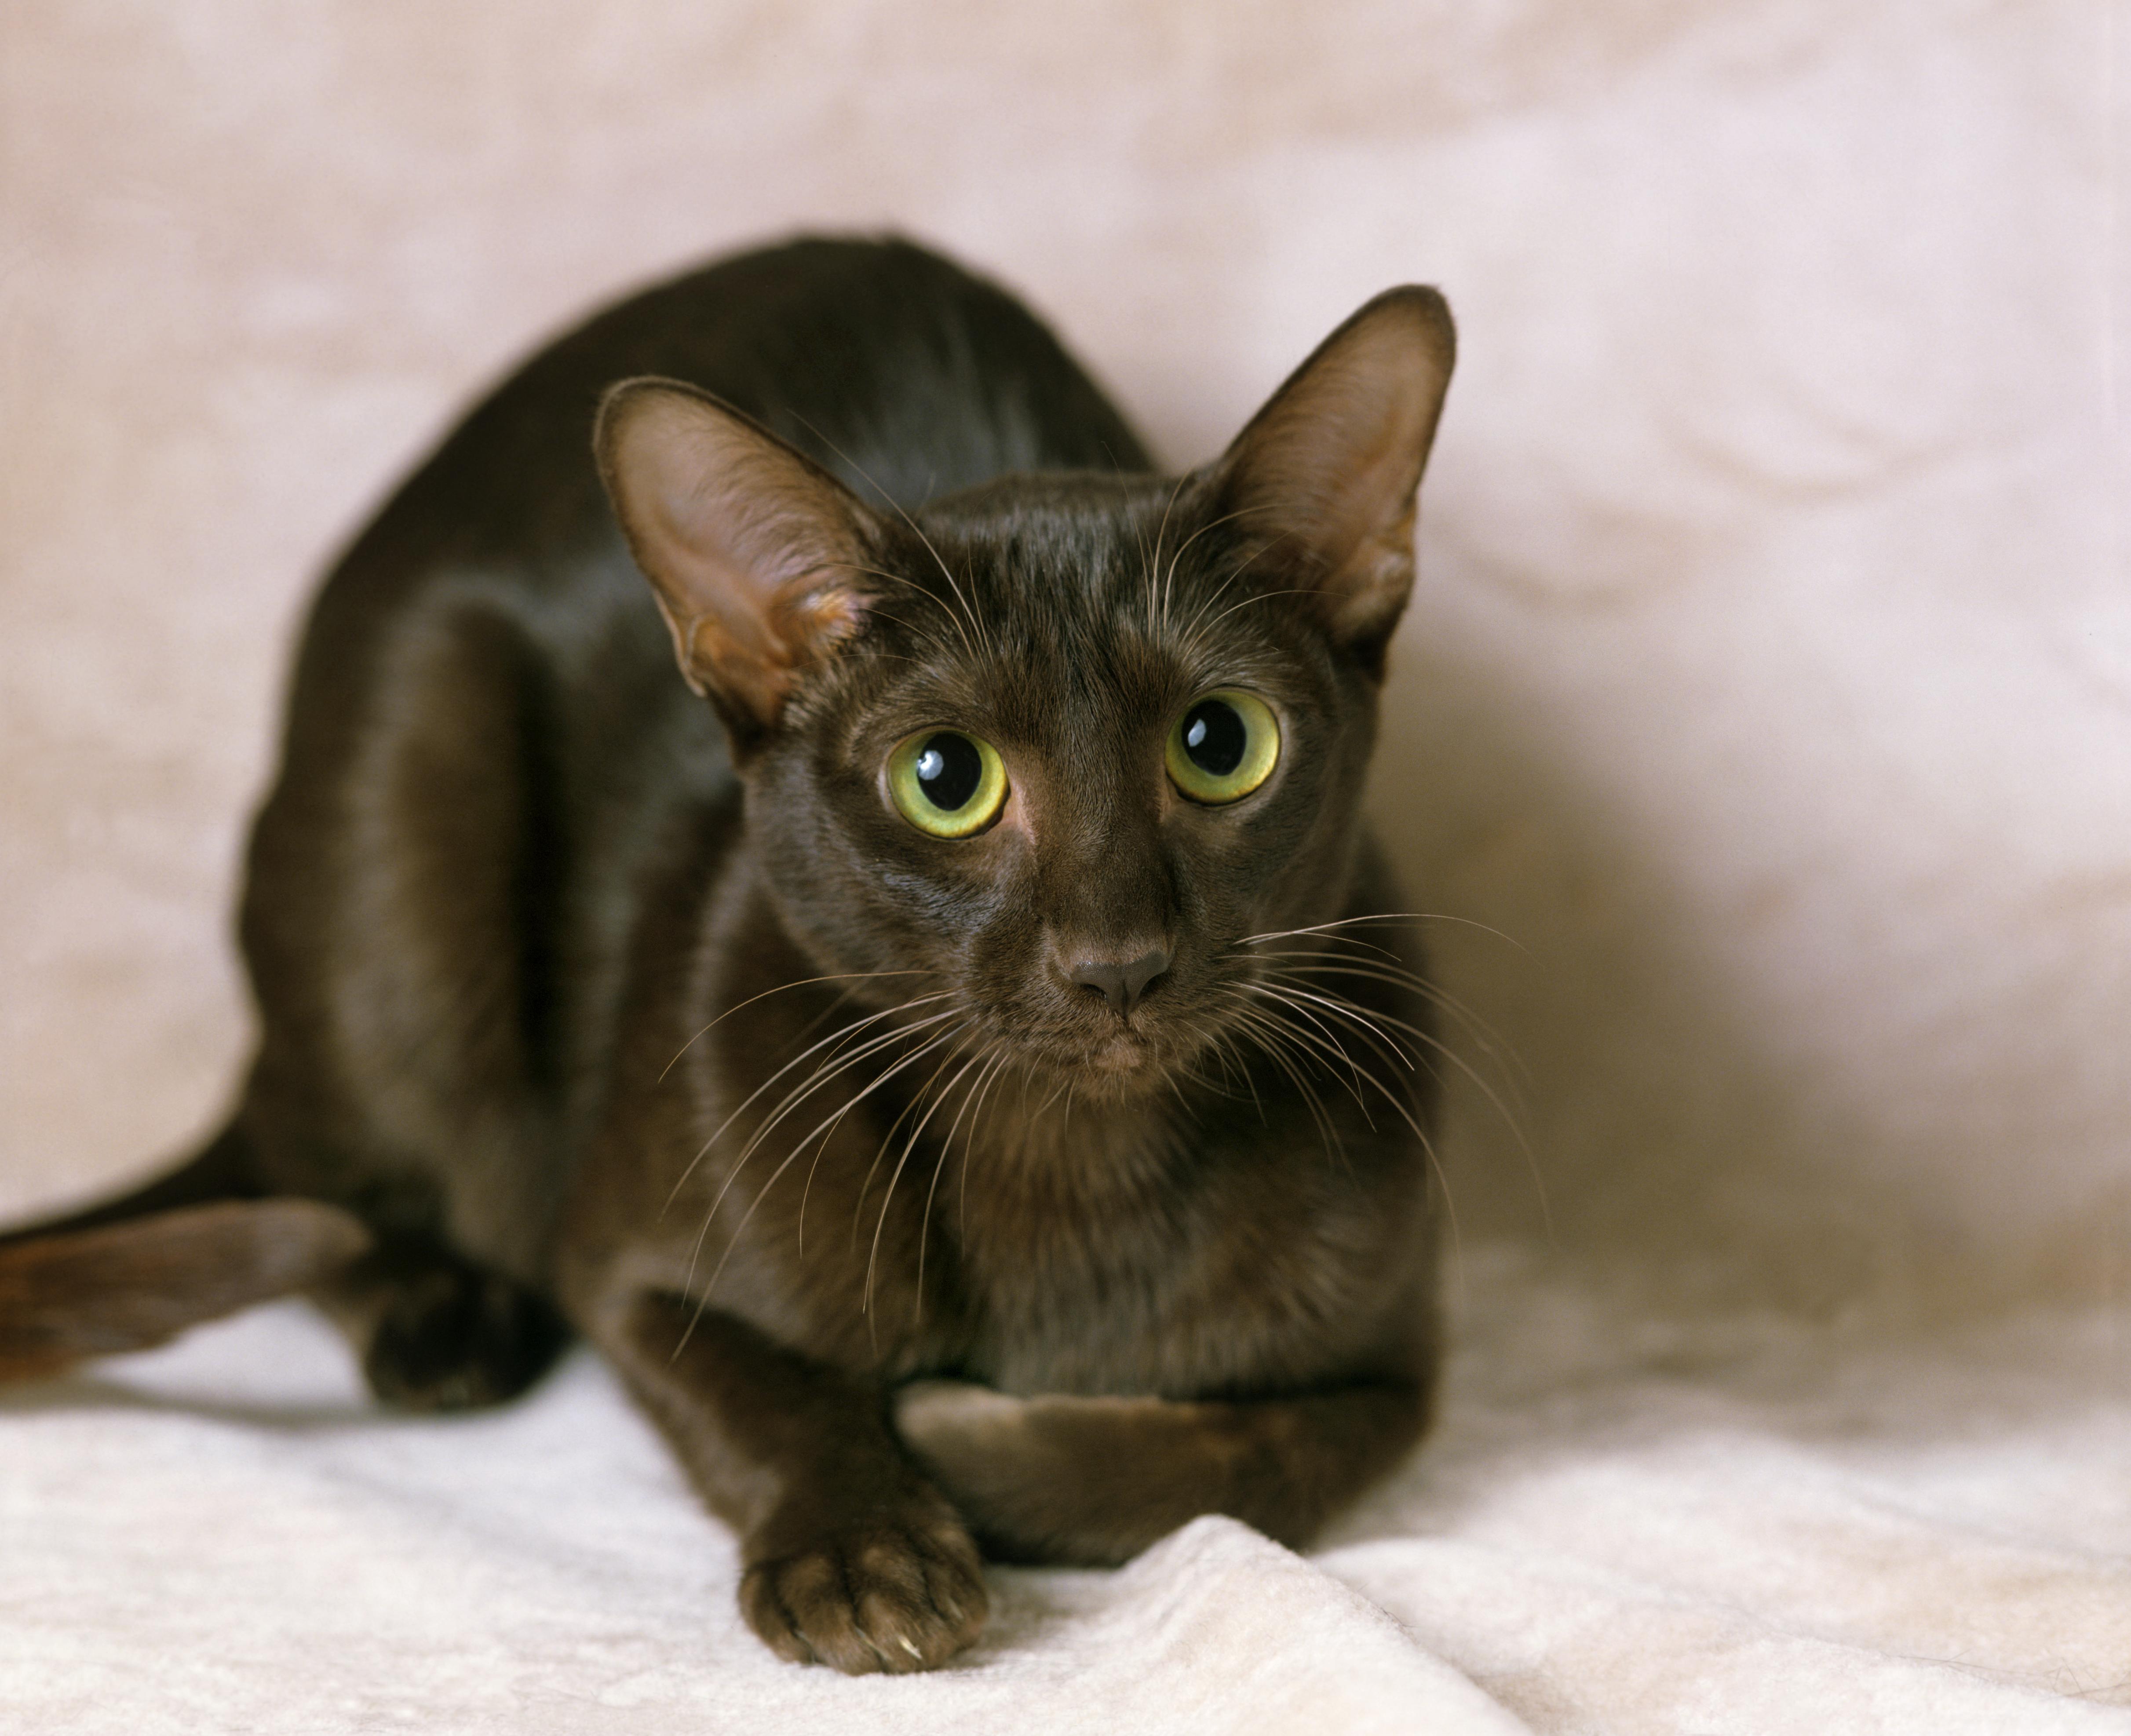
{"points": [[752, 551]]}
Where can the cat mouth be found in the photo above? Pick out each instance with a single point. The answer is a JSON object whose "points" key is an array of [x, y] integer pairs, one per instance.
{"points": [[1127, 1052], [1100, 1050]]}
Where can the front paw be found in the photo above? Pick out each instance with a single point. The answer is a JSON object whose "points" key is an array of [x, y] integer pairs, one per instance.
{"points": [[897, 1593]]}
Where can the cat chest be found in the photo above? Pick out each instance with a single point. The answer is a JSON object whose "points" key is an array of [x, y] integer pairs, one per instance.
{"points": [[1122, 1259], [1186, 1303]]}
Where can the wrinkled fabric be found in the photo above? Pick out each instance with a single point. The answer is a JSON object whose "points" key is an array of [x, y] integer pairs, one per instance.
{"points": [[1762, 1538]]}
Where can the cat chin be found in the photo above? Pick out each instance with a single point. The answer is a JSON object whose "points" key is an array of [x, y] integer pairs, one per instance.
{"points": [[1140, 1085], [1122, 1056], [1124, 1068]]}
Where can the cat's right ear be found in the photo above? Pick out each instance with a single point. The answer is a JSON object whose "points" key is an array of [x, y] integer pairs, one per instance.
{"points": [[1323, 479], [752, 549]]}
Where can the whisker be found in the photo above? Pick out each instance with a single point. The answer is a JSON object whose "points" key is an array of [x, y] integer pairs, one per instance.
{"points": [[1436, 1168], [832, 1122], [970, 614], [1384, 1046], [829, 1124], [1497, 1047], [969, 1145], [1372, 1024], [872, 1045], [1226, 1045], [1326, 928], [1149, 562], [1262, 596], [1352, 1011], [1154, 581], [1273, 1042], [1321, 1038], [910, 1144], [1321, 1035], [1168, 577], [836, 1036], [1509, 1120], [1195, 628], [873, 608], [803, 982], [888, 1139], [946, 1146], [1491, 1043], [1296, 1062], [1441, 1176]]}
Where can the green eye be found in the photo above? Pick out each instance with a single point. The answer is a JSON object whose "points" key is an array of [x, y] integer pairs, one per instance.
{"points": [[1223, 747], [947, 783]]}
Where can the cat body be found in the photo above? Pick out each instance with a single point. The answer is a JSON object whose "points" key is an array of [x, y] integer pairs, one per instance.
{"points": [[1024, 1157]]}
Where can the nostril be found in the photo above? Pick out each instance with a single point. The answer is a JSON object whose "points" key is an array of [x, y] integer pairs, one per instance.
{"points": [[1124, 983], [1104, 979], [1141, 973]]}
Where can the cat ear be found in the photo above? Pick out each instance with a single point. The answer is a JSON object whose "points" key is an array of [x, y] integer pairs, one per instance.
{"points": [[751, 548], [1322, 480]]}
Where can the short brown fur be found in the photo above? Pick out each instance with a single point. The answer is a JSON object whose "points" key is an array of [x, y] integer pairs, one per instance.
{"points": [[579, 1010]]}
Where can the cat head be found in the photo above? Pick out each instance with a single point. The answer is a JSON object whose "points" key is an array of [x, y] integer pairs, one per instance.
{"points": [[1056, 748]]}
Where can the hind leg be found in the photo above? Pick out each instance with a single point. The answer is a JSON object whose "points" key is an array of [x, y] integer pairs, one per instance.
{"points": [[403, 925], [436, 1332]]}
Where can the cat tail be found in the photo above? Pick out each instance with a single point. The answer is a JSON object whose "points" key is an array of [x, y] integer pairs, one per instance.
{"points": [[134, 1272]]}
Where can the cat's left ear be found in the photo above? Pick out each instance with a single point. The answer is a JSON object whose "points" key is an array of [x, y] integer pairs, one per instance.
{"points": [[753, 550], [1322, 480]]}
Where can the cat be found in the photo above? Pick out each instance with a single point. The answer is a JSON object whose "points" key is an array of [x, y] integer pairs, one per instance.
{"points": [[940, 1048]]}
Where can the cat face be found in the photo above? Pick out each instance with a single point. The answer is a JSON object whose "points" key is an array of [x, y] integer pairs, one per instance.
{"points": [[1088, 917], [1060, 749]]}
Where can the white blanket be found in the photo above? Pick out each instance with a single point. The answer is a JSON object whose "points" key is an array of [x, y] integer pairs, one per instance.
{"points": [[1618, 1530], [1761, 731]]}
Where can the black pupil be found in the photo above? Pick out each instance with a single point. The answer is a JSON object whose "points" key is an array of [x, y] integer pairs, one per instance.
{"points": [[1215, 737], [949, 770]]}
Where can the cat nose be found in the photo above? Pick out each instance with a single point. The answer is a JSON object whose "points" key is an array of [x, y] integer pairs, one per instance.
{"points": [[1121, 982]]}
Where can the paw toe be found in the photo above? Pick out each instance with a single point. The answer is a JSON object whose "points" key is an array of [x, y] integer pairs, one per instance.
{"points": [[895, 1601]]}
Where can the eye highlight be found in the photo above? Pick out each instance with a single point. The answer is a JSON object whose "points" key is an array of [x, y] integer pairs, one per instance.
{"points": [[1223, 747], [947, 784]]}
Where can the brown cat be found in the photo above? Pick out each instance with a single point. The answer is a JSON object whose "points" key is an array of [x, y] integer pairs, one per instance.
{"points": [[963, 1095]]}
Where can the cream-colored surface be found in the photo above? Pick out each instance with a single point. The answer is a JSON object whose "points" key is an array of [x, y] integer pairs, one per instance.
{"points": [[1763, 723]]}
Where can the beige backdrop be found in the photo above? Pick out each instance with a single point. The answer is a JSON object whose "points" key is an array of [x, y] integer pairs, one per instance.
{"points": [[1767, 701]]}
